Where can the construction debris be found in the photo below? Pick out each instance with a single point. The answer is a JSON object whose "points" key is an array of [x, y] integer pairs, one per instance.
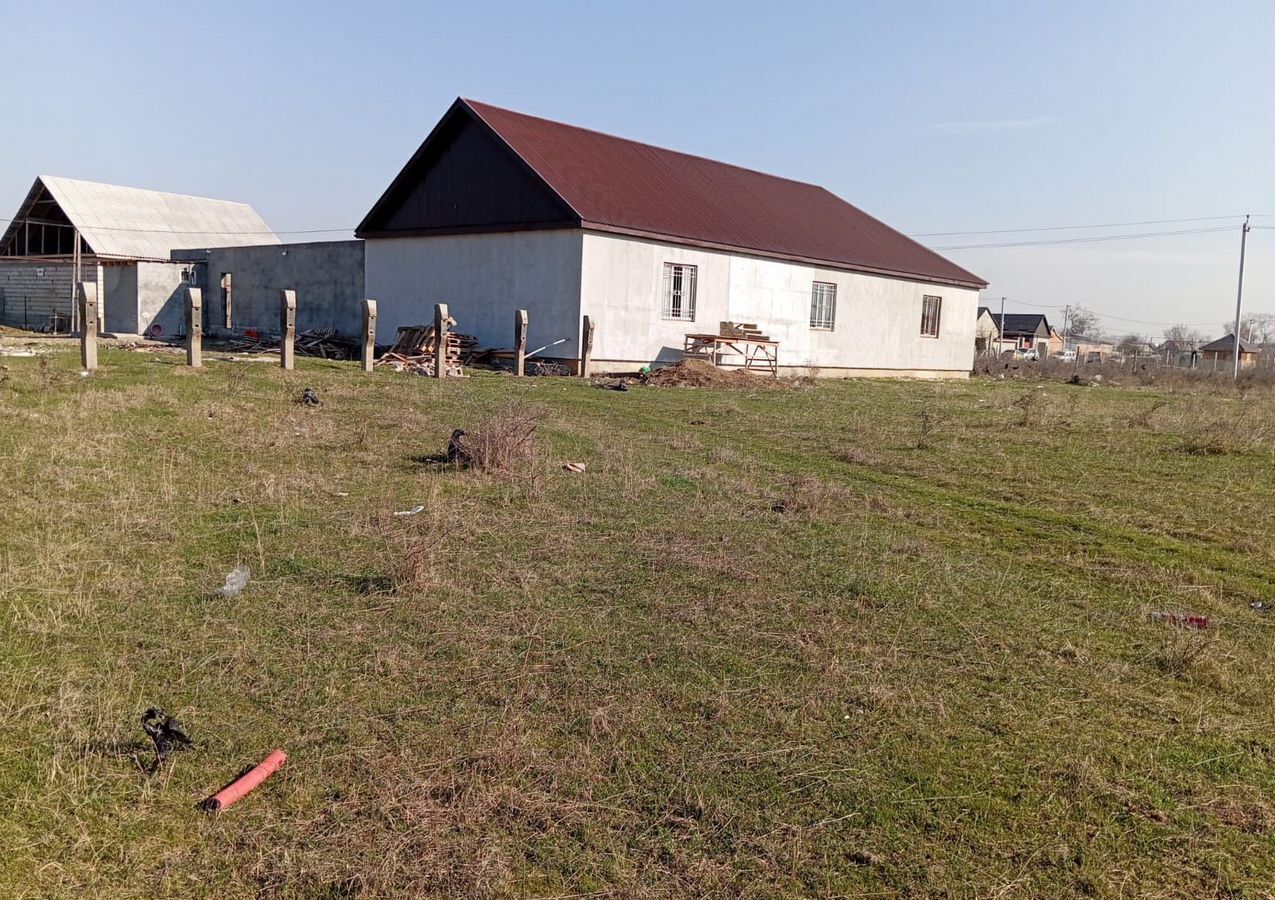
{"points": [[244, 784], [415, 510], [1183, 620], [574, 467], [310, 397], [413, 351]]}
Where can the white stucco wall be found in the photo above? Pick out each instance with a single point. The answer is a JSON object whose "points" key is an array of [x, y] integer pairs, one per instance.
{"points": [[878, 320], [483, 278]]}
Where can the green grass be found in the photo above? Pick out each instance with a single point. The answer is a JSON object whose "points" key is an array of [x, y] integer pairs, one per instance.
{"points": [[764, 646]]}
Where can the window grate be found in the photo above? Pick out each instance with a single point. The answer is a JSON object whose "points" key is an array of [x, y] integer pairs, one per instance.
{"points": [[679, 292], [931, 312], [823, 306]]}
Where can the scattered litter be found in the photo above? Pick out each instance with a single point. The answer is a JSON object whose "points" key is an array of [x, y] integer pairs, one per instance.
{"points": [[864, 858], [236, 581], [343, 493], [415, 510], [244, 784], [1259, 606], [613, 385], [574, 467], [165, 732], [697, 421], [1182, 619], [85, 373], [310, 397]]}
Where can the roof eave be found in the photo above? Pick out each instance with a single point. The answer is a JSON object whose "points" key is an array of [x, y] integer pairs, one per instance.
{"points": [[787, 257]]}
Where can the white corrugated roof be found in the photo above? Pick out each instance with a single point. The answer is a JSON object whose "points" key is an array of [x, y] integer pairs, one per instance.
{"points": [[133, 223]]}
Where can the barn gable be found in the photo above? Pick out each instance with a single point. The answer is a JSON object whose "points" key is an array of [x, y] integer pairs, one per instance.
{"points": [[465, 178]]}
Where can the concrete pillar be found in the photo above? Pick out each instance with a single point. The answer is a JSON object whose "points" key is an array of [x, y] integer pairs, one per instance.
{"points": [[194, 327], [369, 334], [227, 298], [520, 342], [586, 347], [287, 329], [86, 304], [440, 340]]}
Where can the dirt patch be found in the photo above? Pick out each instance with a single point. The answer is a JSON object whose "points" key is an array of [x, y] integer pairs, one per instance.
{"points": [[698, 373]]}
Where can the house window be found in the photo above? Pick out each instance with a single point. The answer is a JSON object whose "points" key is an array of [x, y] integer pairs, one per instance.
{"points": [[823, 306], [931, 310], [679, 292]]}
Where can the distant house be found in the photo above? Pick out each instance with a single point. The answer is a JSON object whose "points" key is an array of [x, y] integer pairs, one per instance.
{"points": [[1090, 348], [117, 237], [986, 334], [1025, 331], [1215, 353]]}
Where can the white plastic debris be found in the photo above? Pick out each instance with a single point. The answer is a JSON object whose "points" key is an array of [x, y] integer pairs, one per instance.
{"points": [[410, 512], [236, 581]]}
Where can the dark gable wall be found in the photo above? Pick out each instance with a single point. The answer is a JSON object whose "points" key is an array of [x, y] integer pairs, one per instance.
{"points": [[468, 179]]}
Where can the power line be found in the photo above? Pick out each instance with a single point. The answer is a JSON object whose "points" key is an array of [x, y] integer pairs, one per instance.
{"points": [[1076, 227], [1088, 240], [1103, 315]]}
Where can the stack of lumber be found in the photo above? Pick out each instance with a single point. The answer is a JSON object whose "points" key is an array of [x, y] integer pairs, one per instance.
{"points": [[745, 330], [413, 351], [324, 342]]}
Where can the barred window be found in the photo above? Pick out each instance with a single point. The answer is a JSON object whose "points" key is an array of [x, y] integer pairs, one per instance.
{"points": [[931, 311], [679, 292], [823, 306]]}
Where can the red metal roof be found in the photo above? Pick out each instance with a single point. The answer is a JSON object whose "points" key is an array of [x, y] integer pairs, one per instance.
{"points": [[615, 184]]}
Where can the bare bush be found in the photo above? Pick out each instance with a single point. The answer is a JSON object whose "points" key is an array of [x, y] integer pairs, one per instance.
{"points": [[499, 444]]}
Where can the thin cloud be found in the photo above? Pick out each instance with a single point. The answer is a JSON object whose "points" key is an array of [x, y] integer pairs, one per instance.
{"points": [[994, 125]]}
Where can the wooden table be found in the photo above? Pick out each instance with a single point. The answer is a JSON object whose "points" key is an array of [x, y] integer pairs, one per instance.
{"points": [[753, 353]]}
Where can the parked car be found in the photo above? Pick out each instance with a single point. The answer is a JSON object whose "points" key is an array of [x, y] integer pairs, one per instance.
{"points": [[1066, 355]]}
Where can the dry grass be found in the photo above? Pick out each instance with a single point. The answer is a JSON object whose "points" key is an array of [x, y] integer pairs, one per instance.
{"points": [[761, 647]]}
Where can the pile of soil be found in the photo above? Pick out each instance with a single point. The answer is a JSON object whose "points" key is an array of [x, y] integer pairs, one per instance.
{"points": [[698, 373]]}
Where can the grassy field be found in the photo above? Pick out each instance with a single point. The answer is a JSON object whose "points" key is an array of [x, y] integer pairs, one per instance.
{"points": [[864, 638]]}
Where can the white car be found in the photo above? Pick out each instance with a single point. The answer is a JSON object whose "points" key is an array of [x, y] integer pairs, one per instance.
{"points": [[1067, 355]]}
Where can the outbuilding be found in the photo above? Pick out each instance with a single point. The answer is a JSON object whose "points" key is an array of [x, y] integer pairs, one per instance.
{"points": [[499, 211], [119, 238]]}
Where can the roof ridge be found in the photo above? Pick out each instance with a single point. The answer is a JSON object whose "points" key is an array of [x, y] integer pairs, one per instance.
{"points": [[682, 153], [125, 187]]}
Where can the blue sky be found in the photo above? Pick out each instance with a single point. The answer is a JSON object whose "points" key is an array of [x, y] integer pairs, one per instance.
{"points": [[932, 116]]}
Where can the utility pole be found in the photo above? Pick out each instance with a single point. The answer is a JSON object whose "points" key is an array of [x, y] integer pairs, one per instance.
{"points": [[1000, 336], [1239, 300]]}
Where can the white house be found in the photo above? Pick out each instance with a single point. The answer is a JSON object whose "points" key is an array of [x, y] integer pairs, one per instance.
{"points": [[498, 211]]}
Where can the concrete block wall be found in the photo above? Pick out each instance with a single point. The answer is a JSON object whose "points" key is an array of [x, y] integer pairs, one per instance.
{"points": [[327, 276], [31, 293]]}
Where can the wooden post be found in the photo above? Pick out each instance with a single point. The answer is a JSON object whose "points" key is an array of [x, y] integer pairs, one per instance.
{"points": [[369, 334], [520, 342], [86, 292], [440, 340], [227, 298], [586, 347], [194, 327], [287, 328]]}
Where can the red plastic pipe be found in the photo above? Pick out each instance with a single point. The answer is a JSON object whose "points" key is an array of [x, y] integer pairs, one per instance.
{"points": [[240, 787]]}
